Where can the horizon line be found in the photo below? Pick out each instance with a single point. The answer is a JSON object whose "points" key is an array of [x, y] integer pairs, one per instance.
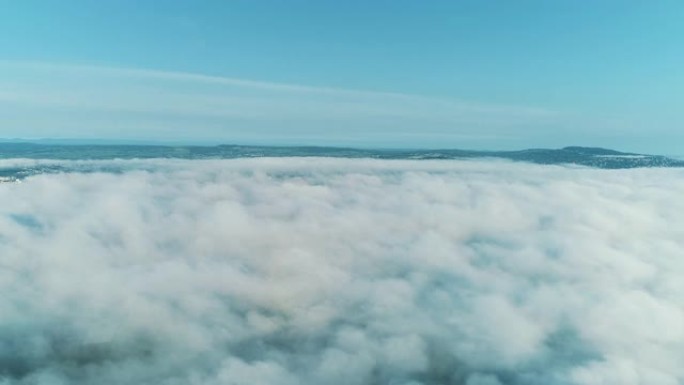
{"points": [[75, 142]]}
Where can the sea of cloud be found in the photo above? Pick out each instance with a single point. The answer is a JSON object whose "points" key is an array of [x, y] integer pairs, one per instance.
{"points": [[340, 271]]}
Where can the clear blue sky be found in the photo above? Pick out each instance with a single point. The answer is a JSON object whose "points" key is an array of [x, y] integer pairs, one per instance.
{"points": [[428, 73]]}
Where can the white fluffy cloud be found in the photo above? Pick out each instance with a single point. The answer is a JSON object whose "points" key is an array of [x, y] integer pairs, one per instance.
{"points": [[333, 271]]}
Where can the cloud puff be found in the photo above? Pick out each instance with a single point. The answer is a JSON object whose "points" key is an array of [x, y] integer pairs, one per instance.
{"points": [[334, 271]]}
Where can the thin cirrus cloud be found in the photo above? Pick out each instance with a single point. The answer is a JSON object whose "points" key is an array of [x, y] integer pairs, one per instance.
{"points": [[49, 100], [340, 271]]}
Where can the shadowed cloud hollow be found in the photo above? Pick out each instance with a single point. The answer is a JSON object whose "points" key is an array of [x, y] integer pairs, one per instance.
{"points": [[339, 271]]}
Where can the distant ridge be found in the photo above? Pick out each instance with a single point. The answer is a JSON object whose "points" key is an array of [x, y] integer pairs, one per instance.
{"points": [[594, 151], [584, 156]]}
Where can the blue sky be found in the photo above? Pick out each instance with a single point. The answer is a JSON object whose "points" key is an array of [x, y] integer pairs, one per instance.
{"points": [[469, 74]]}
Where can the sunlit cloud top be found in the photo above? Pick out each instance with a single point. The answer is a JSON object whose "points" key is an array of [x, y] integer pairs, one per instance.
{"points": [[337, 271]]}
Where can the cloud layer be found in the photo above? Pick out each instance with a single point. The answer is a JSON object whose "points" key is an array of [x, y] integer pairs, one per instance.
{"points": [[333, 271]]}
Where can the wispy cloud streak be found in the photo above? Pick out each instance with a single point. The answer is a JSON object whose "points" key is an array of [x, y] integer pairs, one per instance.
{"points": [[51, 100]]}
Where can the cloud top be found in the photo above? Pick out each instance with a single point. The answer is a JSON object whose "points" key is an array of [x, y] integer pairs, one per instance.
{"points": [[287, 271]]}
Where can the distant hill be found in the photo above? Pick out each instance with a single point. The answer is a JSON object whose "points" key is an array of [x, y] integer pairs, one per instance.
{"points": [[584, 156]]}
